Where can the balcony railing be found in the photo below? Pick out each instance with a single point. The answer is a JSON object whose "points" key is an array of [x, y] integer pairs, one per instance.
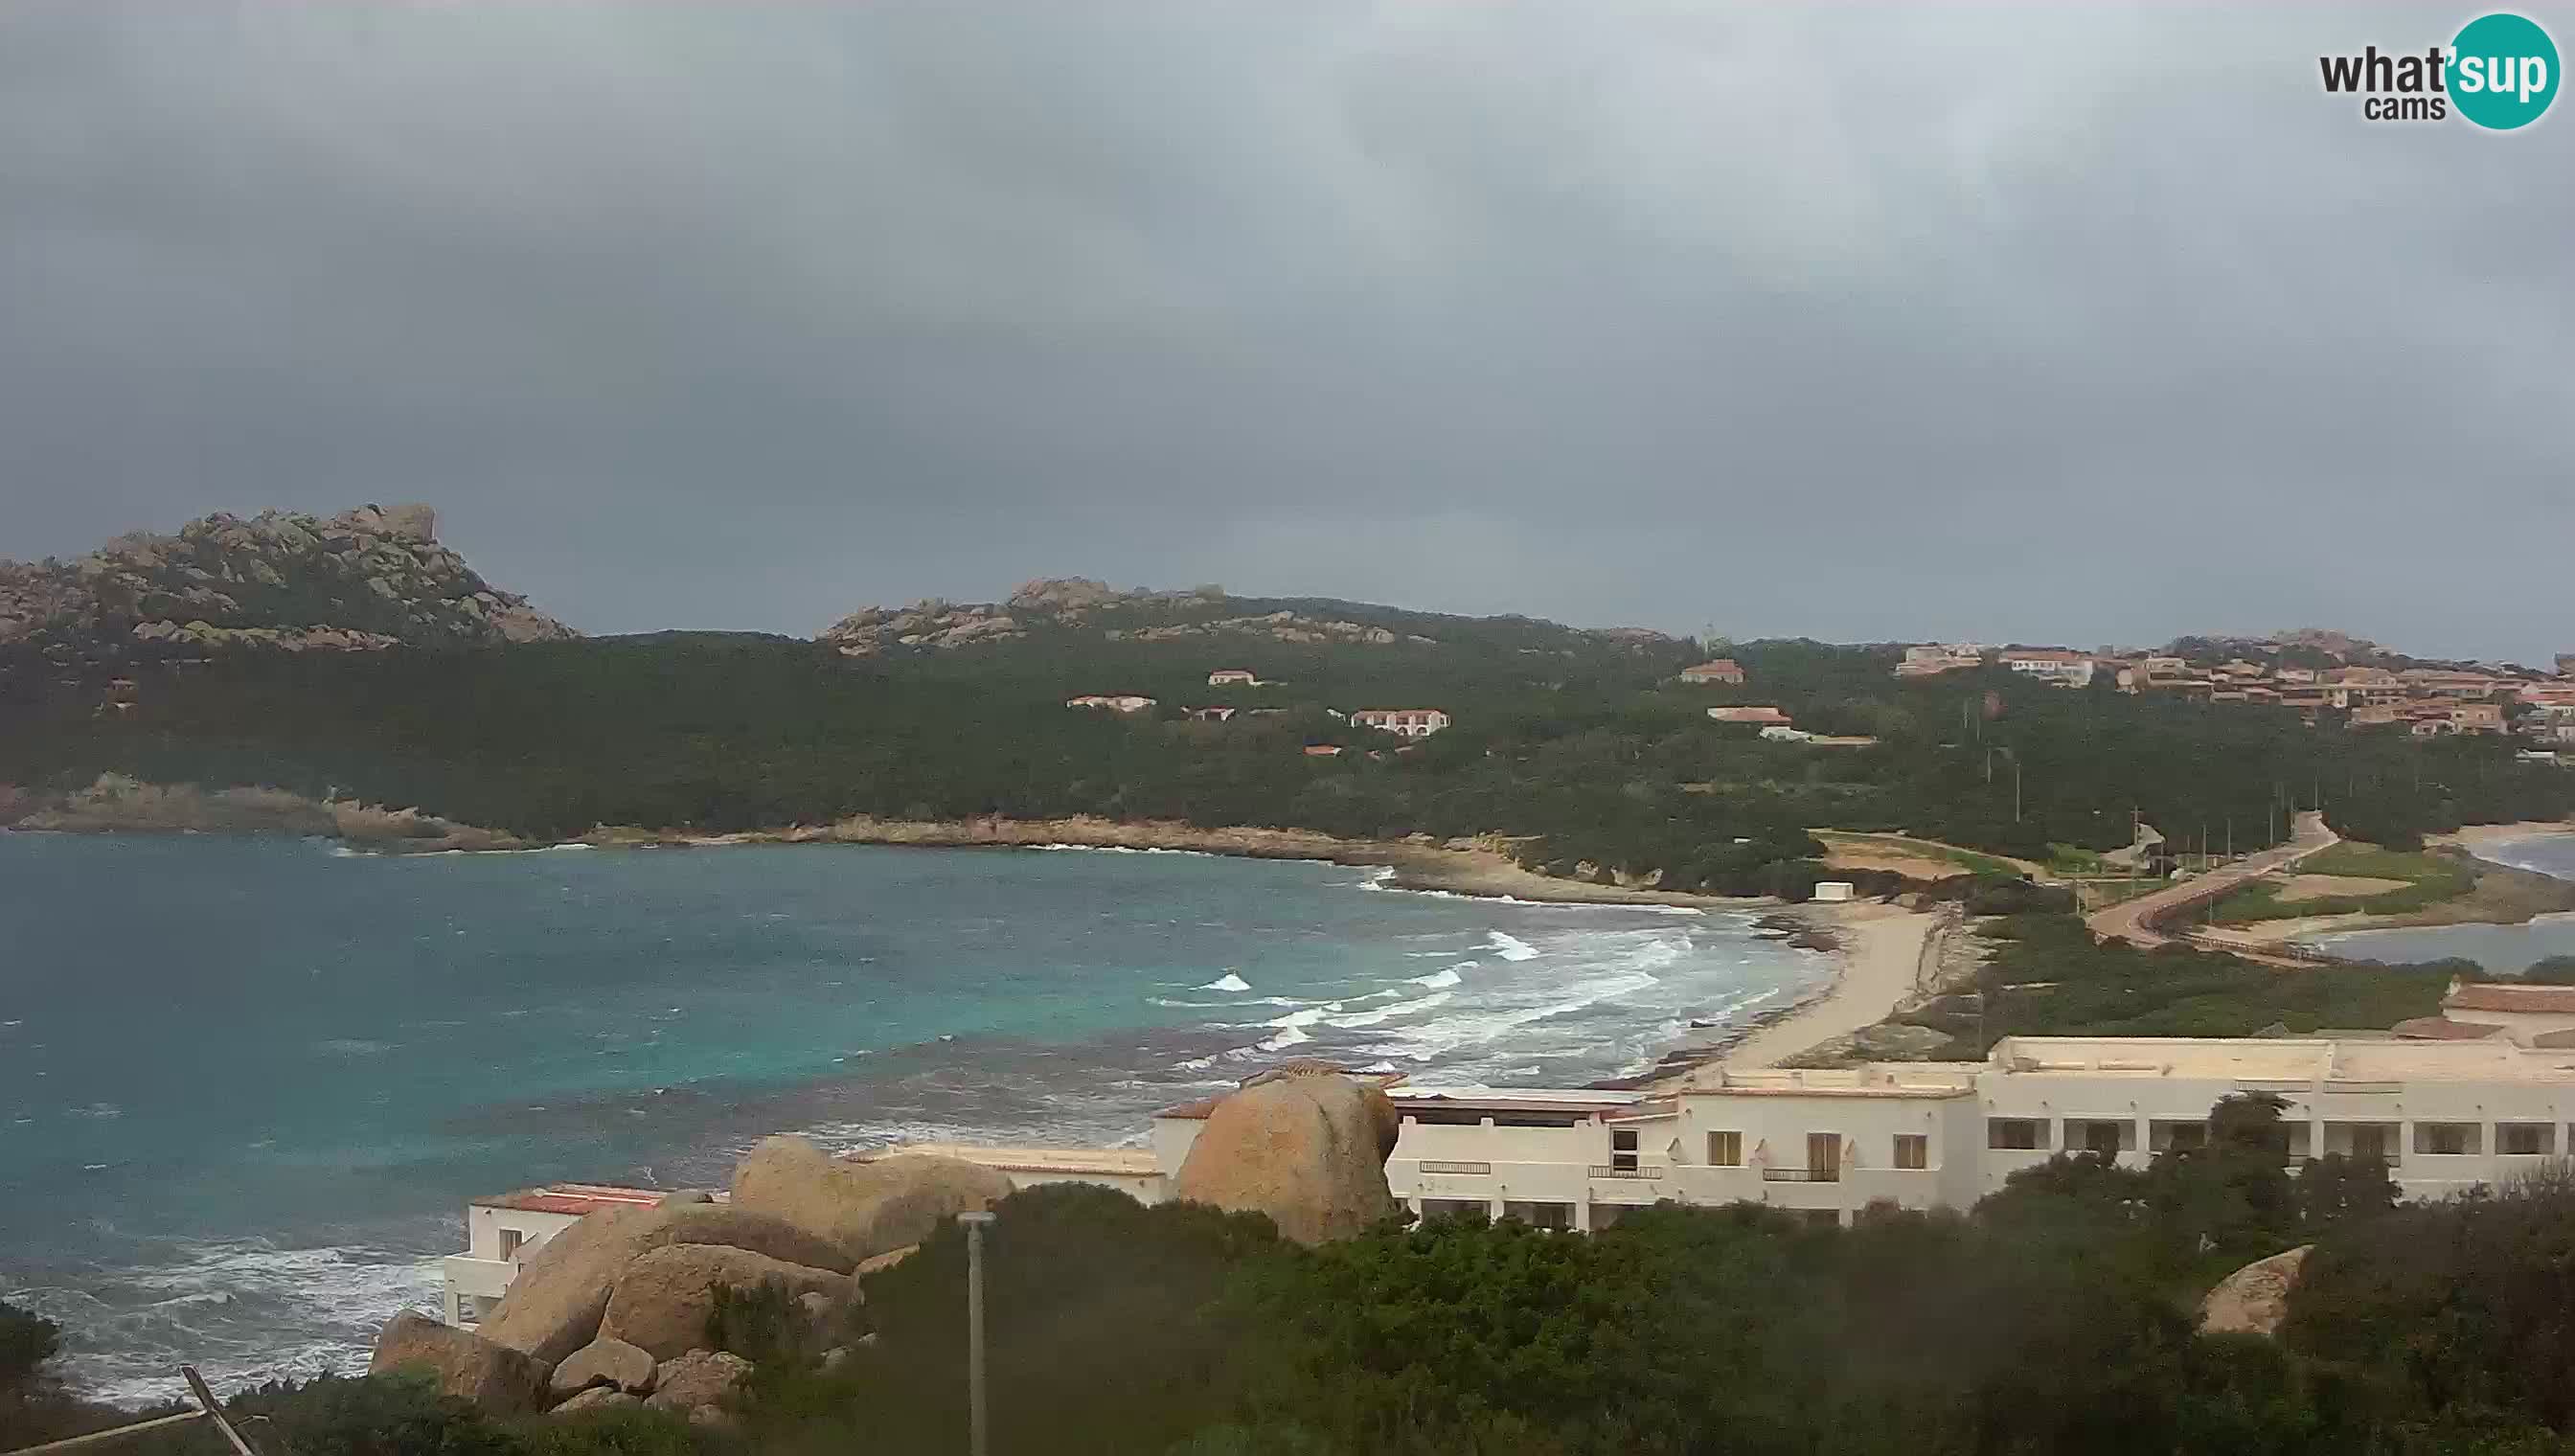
{"points": [[1431, 1165], [1613, 1170], [1801, 1175]]}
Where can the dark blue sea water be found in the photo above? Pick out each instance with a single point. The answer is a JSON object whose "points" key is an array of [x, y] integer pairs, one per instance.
{"points": [[246, 1085], [2502, 950]]}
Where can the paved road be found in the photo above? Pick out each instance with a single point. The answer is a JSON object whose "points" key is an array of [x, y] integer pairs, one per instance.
{"points": [[2132, 920]]}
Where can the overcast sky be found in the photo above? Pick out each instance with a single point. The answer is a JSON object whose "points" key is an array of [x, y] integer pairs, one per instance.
{"points": [[2026, 325]]}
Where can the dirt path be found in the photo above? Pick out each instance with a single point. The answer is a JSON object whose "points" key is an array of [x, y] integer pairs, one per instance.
{"points": [[2133, 920]]}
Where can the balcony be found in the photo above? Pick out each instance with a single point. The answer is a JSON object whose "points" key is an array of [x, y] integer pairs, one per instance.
{"points": [[1613, 1170], [1438, 1165], [1801, 1175], [486, 1278]]}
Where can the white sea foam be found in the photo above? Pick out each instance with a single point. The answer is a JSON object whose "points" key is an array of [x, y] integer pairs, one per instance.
{"points": [[1227, 982], [1291, 1030], [1445, 976], [1387, 1014], [242, 1311], [1509, 947]]}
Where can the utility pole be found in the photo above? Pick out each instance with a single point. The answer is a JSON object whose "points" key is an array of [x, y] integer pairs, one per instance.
{"points": [[978, 1430]]}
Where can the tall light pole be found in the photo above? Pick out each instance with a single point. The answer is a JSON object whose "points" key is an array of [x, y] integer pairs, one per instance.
{"points": [[979, 1413]]}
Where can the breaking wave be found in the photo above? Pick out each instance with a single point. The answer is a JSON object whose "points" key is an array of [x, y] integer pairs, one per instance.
{"points": [[1227, 982]]}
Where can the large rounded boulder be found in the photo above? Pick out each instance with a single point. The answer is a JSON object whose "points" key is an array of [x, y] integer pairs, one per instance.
{"points": [[865, 1208], [662, 1301], [495, 1377], [2253, 1299], [612, 1363], [554, 1304], [1308, 1148]]}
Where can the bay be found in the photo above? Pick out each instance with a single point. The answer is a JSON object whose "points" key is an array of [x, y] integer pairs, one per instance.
{"points": [[246, 1085]]}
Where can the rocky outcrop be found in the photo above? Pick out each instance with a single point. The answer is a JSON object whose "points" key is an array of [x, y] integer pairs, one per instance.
{"points": [[604, 1361], [1302, 1144], [561, 1294], [661, 1300], [701, 1380], [115, 804], [362, 580], [866, 1208], [493, 1376], [599, 1397], [2253, 1299]]}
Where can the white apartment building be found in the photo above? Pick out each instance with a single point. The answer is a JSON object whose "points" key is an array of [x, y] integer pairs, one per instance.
{"points": [[2445, 1116], [2066, 670], [2471, 1105], [502, 1232], [1413, 723]]}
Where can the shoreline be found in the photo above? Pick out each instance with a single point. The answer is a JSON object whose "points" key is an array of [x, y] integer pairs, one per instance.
{"points": [[2503, 895], [1478, 867], [1878, 950]]}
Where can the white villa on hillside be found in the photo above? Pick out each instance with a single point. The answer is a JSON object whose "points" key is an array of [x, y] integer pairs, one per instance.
{"points": [[1114, 701], [1413, 723]]}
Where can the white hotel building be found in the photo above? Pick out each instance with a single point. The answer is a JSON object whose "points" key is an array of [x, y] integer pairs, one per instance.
{"points": [[2485, 1094], [2445, 1116]]}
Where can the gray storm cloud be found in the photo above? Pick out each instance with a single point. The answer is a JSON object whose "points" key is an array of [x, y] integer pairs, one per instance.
{"points": [[2087, 326]]}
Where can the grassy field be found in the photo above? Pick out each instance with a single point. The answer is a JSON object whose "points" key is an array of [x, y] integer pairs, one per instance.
{"points": [[2429, 879], [2043, 975]]}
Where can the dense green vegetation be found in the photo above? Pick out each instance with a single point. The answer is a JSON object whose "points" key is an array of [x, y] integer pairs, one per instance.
{"points": [[1579, 743], [2058, 1315], [2044, 975]]}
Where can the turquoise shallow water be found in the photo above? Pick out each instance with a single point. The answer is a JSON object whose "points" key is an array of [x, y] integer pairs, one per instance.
{"points": [[2501, 950], [246, 1085]]}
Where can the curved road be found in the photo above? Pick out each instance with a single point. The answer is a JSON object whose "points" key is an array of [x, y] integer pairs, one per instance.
{"points": [[2133, 920]]}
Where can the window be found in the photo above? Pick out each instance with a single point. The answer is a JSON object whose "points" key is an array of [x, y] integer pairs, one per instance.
{"points": [[1912, 1150], [2100, 1135], [1726, 1149], [1622, 1149], [1606, 1215], [2185, 1136], [2370, 1140], [1824, 1157], [2445, 1137], [2011, 1132], [510, 1238], [2522, 1139]]}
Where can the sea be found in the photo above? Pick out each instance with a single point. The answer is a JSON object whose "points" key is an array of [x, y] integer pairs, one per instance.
{"points": [[246, 1085], [2500, 949]]}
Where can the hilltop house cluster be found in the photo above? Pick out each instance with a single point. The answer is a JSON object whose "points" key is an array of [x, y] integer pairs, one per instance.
{"points": [[1407, 723], [2426, 701]]}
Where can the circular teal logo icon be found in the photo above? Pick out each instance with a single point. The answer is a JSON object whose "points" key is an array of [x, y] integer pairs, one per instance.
{"points": [[2503, 71]]}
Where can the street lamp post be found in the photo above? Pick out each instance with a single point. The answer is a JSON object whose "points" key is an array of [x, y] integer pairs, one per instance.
{"points": [[978, 1414]]}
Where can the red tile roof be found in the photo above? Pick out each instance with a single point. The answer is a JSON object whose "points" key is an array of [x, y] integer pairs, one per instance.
{"points": [[2490, 995], [575, 1198]]}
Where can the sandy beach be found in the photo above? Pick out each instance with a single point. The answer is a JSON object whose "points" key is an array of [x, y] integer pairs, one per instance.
{"points": [[2485, 836], [1882, 953]]}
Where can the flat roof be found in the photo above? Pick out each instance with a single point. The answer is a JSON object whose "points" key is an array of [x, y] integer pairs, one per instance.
{"points": [[1121, 1161], [2286, 1059], [575, 1198]]}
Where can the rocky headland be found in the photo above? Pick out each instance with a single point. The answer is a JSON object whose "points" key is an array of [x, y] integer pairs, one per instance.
{"points": [[362, 580]]}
